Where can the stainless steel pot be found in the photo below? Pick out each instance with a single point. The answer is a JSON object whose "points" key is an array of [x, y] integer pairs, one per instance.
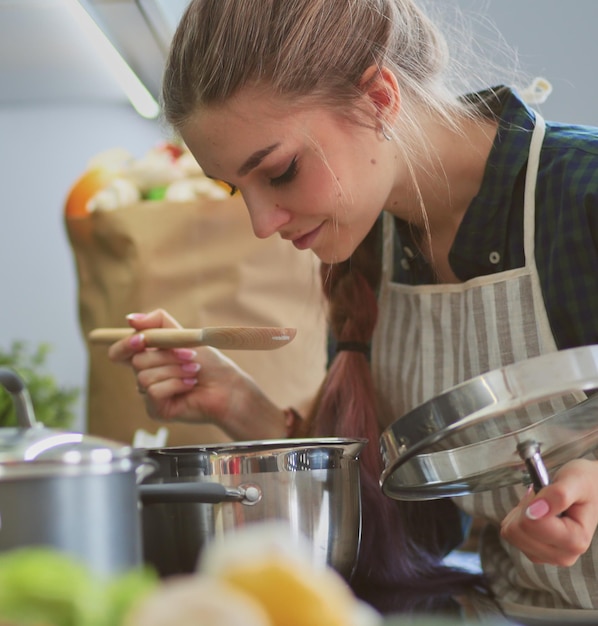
{"points": [[74, 493], [313, 484], [68, 491]]}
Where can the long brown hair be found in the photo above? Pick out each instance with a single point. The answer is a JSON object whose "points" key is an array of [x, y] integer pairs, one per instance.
{"points": [[313, 49]]}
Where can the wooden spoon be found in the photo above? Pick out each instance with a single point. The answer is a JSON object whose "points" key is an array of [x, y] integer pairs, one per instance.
{"points": [[222, 337]]}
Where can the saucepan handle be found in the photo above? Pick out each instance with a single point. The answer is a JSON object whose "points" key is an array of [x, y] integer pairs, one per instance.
{"points": [[198, 492]]}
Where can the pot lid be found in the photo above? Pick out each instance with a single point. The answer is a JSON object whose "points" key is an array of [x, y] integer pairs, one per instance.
{"points": [[37, 450], [469, 438]]}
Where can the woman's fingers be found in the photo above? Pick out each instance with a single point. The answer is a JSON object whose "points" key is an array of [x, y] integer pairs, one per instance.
{"points": [[554, 540], [124, 349], [151, 380], [154, 319], [195, 385], [556, 526], [152, 358], [164, 390]]}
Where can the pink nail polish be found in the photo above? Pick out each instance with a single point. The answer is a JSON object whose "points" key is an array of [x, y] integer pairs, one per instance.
{"points": [[190, 381], [136, 316], [537, 510], [192, 368], [136, 340], [185, 354]]}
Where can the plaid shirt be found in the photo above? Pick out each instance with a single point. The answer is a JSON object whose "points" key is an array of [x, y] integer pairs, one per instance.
{"points": [[490, 237]]}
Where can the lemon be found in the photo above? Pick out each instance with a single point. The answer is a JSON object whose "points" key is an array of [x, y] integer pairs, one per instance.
{"points": [[293, 595], [276, 568]]}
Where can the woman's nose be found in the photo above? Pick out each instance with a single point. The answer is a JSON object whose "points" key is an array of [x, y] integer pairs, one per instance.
{"points": [[267, 217]]}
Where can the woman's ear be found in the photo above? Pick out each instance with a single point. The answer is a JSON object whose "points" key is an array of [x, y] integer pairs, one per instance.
{"points": [[380, 87]]}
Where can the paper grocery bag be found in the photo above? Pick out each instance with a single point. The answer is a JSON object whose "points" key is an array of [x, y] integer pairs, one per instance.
{"points": [[202, 263]]}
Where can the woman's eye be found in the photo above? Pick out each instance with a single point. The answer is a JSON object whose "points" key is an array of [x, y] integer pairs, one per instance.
{"points": [[287, 176]]}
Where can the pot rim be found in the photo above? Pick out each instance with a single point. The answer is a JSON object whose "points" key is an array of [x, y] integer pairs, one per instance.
{"points": [[354, 445], [59, 469]]}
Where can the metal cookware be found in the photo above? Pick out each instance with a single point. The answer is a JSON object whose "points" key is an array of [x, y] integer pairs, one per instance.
{"points": [[67, 490], [313, 484], [72, 492], [496, 429], [81, 494]]}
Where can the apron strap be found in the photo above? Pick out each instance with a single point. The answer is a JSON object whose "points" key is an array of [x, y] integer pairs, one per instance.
{"points": [[529, 202], [529, 229]]}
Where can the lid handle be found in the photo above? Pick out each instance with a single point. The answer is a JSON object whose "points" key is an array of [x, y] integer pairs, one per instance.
{"points": [[15, 386]]}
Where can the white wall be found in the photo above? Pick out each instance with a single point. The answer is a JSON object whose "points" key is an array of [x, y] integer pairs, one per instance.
{"points": [[555, 39], [44, 150]]}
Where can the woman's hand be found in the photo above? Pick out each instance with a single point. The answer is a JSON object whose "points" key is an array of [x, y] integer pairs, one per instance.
{"points": [[556, 525], [197, 385]]}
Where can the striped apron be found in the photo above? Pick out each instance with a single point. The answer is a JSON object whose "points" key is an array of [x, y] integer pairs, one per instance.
{"points": [[431, 337]]}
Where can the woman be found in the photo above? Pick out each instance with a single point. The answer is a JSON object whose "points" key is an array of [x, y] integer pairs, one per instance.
{"points": [[447, 227]]}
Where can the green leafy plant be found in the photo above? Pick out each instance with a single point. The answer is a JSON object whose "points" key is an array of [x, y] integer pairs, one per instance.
{"points": [[53, 405]]}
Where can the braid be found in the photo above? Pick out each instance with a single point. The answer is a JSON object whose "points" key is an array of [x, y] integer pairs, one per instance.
{"points": [[346, 403]]}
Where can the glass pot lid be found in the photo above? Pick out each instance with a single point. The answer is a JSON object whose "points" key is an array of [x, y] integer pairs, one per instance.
{"points": [[470, 437]]}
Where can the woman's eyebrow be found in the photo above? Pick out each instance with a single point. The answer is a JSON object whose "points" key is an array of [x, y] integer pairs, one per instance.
{"points": [[255, 159]]}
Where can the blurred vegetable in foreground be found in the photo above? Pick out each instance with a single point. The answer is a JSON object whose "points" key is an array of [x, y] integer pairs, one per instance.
{"points": [[261, 575], [43, 586], [257, 577]]}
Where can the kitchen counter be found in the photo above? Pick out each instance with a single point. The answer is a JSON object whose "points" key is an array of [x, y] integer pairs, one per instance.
{"points": [[474, 607]]}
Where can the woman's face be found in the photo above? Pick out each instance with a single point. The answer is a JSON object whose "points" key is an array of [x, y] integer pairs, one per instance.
{"points": [[305, 173]]}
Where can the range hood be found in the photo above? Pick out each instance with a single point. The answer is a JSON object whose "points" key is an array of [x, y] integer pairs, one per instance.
{"points": [[141, 31]]}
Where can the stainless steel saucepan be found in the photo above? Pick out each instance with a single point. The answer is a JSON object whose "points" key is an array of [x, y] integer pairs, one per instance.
{"points": [[313, 484]]}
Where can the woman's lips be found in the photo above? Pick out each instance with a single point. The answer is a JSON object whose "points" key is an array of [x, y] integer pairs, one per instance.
{"points": [[305, 241]]}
